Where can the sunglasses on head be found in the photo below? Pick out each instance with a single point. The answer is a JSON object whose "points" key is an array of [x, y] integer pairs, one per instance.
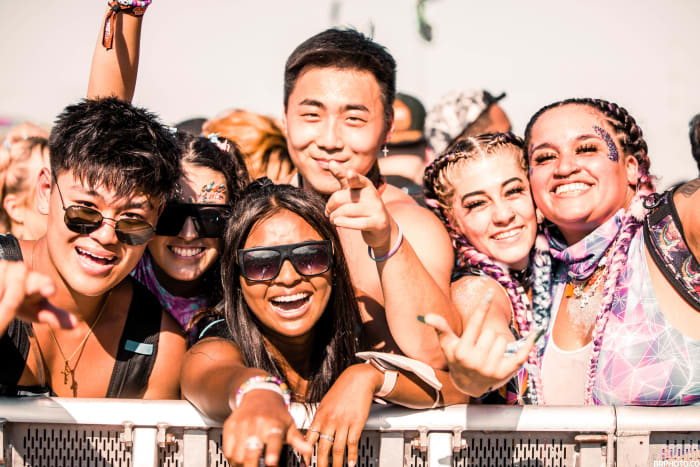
{"points": [[85, 220], [209, 219], [264, 263]]}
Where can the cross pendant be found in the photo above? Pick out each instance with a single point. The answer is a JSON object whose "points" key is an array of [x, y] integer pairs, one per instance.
{"points": [[65, 372], [385, 150]]}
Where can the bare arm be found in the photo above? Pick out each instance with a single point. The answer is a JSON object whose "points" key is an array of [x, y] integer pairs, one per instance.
{"points": [[113, 72]]}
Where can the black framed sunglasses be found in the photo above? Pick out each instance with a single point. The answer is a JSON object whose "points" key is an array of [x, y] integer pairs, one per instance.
{"points": [[209, 219], [264, 263], [85, 220]]}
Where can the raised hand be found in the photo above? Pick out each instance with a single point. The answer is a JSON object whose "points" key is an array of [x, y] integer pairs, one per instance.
{"points": [[358, 205], [476, 359], [24, 294]]}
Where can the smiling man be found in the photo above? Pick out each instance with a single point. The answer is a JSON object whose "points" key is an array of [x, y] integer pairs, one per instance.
{"points": [[112, 167], [338, 94]]}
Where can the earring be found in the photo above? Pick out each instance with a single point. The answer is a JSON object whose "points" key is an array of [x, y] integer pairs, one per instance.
{"points": [[385, 151]]}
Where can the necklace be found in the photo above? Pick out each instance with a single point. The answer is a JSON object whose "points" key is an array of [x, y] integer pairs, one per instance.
{"points": [[585, 297], [67, 370]]}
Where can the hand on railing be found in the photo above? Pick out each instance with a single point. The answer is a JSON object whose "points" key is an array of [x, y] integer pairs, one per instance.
{"points": [[476, 359], [341, 416], [261, 422]]}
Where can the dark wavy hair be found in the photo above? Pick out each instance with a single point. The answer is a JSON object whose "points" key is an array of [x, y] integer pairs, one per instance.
{"points": [[335, 341]]}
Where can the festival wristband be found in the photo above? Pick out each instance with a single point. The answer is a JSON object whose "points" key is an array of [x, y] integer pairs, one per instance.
{"points": [[131, 7], [393, 250], [268, 383]]}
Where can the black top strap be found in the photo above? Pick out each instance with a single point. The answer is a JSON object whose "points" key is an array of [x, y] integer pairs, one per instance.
{"points": [[9, 248], [138, 345]]}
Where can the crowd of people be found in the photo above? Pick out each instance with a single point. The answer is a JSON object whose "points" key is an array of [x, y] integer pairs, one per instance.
{"points": [[361, 249]]}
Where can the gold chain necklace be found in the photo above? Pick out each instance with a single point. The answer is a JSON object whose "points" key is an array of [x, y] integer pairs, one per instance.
{"points": [[67, 370]]}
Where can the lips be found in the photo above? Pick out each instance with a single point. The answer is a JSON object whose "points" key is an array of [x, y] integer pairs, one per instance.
{"points": [[292, 305], [100, 259], [508, 234]]}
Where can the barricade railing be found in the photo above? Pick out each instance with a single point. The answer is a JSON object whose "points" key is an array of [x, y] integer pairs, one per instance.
{"points": [[107, 432]]}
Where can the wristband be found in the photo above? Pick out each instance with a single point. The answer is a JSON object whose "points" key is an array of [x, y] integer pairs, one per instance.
{"points": [[131, 7], [268, 383], [393, 250], [390, 377]]}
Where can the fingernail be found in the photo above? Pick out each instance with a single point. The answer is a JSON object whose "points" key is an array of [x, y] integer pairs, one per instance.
{"points": [[351, 463], [420, 318]]}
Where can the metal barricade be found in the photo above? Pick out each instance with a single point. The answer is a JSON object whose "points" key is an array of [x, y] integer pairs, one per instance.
{"points": [[100, 432]]}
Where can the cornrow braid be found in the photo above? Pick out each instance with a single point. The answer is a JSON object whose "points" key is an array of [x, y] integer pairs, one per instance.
{"points": [[630, 225], [438, 191], [629, 134]]}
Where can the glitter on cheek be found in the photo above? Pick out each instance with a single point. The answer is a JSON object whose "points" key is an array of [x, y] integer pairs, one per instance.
{"points": [[613, 154]]}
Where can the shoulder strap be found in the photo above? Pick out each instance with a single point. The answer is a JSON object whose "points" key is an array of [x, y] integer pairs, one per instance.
{"points": [[138, 345], [664, 239], [9, 248]]}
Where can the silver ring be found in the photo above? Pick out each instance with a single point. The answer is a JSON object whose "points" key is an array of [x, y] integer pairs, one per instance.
{"points": [[327, 438], [253, 443]]}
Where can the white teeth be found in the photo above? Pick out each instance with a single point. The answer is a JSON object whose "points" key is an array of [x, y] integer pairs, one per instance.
{"points": [[186, 251], [571, 187], [83, 252], [291, 298], [508, 234]]}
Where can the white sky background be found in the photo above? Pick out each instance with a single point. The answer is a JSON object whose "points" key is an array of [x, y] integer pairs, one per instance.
{"points": [[203, 56]]}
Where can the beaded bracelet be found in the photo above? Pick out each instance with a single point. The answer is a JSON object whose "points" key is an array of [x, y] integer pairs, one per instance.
{"points": [[268, 383], [393, 250], [131, 7]]}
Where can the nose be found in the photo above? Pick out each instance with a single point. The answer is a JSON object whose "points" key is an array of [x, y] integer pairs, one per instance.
{"points": [[106, 233], [188, 231], [287, 275], [566, 165], [329, 137], [503, 213]]}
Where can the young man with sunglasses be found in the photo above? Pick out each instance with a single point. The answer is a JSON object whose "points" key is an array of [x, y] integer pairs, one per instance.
{"points": [[338, 94], [112, 168]]}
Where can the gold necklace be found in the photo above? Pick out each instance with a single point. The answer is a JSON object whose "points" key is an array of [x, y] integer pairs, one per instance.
{"points": [[67, 370]]}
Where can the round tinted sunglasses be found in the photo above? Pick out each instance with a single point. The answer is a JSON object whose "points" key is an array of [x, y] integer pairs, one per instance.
{"points": [[85, 220], [209, 219], [264, 263]]}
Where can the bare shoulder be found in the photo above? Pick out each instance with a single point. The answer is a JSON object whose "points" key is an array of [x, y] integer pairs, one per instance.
{"points": [[468, 293]]}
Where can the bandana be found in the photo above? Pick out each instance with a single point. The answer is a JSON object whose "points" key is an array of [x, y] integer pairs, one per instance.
{"points": [[582, 257]]}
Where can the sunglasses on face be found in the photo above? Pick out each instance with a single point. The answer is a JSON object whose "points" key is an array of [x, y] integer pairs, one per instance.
{"points": [[209, 219], [85, 220], [264, 263]]}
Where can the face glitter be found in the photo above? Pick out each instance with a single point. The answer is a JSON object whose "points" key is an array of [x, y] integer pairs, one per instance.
{"points": [[613, 154], [212, 192]]}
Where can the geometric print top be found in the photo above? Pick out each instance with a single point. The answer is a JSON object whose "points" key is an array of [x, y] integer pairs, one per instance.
{"points": [[643, 359]]}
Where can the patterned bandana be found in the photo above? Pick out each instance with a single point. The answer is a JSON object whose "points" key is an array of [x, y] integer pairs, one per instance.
{"points": [[582, 257]]}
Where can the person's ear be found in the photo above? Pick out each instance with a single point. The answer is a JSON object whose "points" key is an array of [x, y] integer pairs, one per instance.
{"points": [[283, 122], [632, 170], [390, 129], [15, 208], [43, 191]]}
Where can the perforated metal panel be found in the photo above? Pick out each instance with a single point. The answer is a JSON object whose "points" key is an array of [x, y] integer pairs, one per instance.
{"points": [[171, 454], [674, 447], [517, 449], [67, 446]]}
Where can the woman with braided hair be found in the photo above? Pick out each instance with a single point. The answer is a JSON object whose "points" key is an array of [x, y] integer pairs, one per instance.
{"points": [[479, 189], [624, 326]]}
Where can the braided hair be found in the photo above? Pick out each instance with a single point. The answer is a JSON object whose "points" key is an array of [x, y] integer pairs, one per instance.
{"points": [[629, 138], [438, 190]]}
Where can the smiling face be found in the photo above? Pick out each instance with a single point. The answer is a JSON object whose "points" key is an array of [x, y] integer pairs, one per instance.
{"points": [[493, 208], [579, 174], [334, 114], [289, 304], [186, 257], [91, 264]]}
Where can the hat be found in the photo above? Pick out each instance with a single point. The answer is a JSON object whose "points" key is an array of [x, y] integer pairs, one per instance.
{"points": [[409, 118], [453, 113]]}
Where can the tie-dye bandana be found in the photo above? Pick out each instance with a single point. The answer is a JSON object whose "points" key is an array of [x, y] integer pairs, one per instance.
{"points": [[582, 258]]}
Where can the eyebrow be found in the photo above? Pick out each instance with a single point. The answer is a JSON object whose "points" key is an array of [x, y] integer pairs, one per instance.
{"points": [[481, 192], [315, 103]]}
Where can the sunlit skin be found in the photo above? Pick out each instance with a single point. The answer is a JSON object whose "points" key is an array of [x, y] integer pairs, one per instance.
{"points": [[180, 261], [292, 319], [574, 182], [493, 208], [334, 114], [91, 264]]}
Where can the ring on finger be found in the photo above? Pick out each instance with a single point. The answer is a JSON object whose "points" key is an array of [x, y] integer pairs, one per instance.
{"points": [[327, 437], [253, 443]]}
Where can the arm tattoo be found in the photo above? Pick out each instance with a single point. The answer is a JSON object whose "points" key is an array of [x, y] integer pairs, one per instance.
{"points": [[689, 189]]}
